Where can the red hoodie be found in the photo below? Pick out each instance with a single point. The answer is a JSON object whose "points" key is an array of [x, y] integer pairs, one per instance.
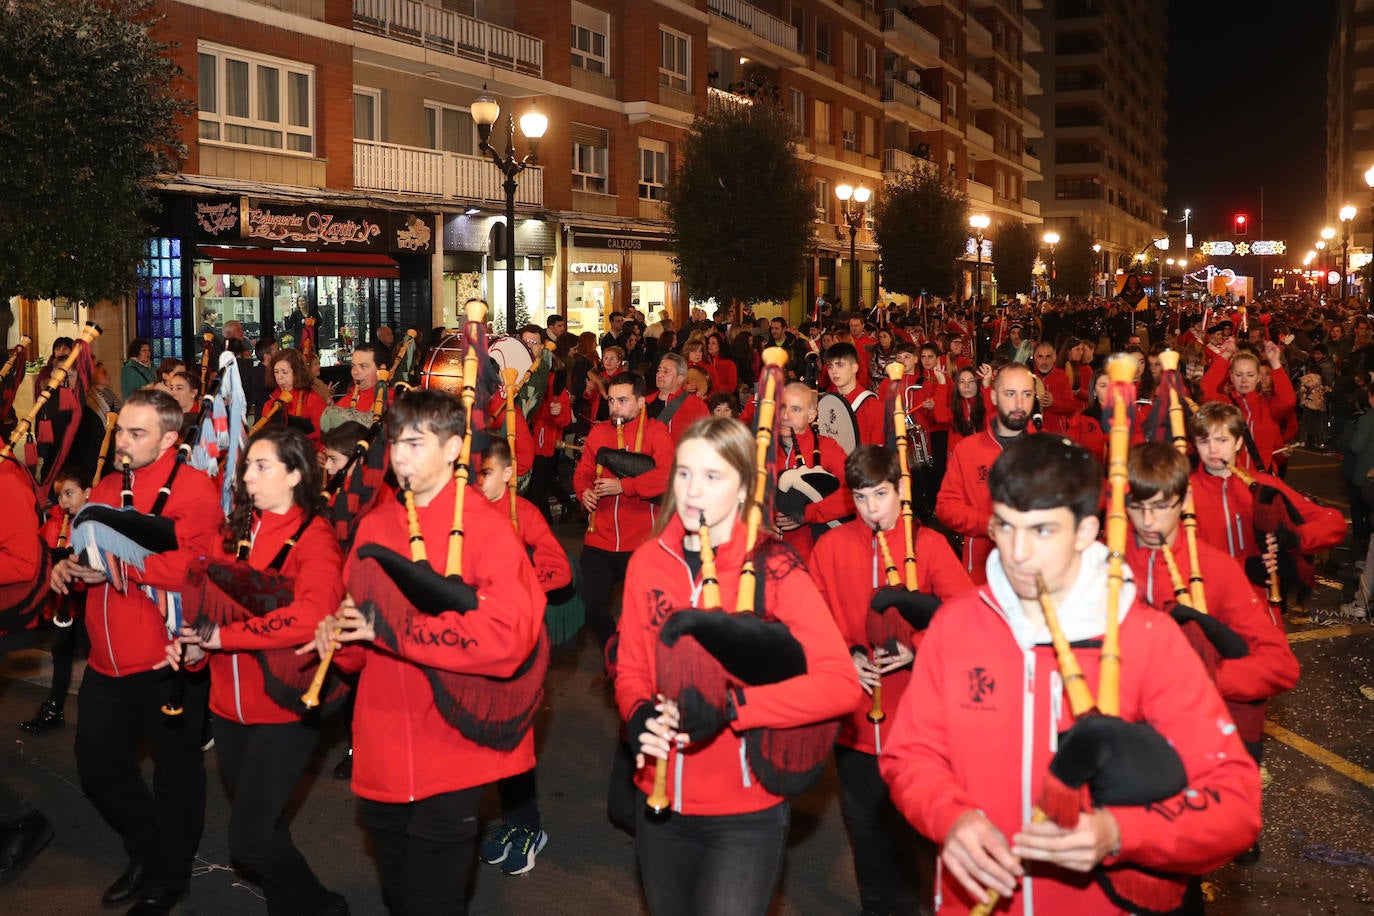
{"points": [[1262, 414], [546, 428], [800, 451], [723, 372], [1064, 405], [964, 503], [404, 750], [550, 561], [128, 632], [623, 522], [1226, 515], [315, 567], [838, 565], [711, 779], [1244, 683], [524, 442], [868, 414], [992, 706]]}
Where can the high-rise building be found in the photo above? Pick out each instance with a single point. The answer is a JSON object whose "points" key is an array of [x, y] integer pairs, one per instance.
{"points": [[1105, 66], [1350, 120]]}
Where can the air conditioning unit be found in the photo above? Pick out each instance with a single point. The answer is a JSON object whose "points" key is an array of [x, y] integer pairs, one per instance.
{"points": [[913, 79]]}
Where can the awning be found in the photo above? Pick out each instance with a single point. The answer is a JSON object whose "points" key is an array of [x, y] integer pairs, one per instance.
{"points": [[271, 262]]}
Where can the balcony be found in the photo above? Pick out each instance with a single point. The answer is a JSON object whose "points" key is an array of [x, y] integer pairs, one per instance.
{"points": [[978, 37], [1032, 120], [899, 161], [979, 193], [979, 90], [436, 29], [1030, 80], [720, 100], [1030, 161], [898, 93], [1030, 206], [435, 173], [908, 37], [977, 137], [1030, 37], [772, 34]]}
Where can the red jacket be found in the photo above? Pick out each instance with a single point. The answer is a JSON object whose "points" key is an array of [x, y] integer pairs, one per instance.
{"points": [[365, 398], [945, 407], [315, 568], [800, 451], [869, 416], [724, 374], [403, 748], [964, 503], [992, 706], [1244, 683], [710, 779], [1087, 432], [304, 403], [524, 442], [549, 559], [128, 632], [1064, 404], [1226, 515], [838, 565], [623, 522], [21, 548], [1262, 414], [547, 429], [691, 409]]}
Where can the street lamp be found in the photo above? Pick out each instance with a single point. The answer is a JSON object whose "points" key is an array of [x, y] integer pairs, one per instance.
{"points": [[978, 222], [1161, 244], [485, 110], [1347, 214], [853, 218], [1098, 272], [1051, 239]]}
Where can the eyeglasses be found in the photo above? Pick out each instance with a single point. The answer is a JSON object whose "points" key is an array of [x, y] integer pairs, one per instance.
{"points": [[1153, 508]]}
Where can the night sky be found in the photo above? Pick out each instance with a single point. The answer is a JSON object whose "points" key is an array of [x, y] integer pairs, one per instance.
{"points": [[1247, 110]]}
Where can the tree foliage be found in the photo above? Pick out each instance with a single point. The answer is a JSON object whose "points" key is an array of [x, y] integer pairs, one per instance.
{"points": [[1014, 252], [88, 119], [921, 224], [1074, 262], [740, 206]]}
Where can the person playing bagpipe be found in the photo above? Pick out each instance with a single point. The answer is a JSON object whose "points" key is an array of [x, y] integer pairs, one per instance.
{"points": [[303, 407], [810, 490], [620, 475], [444, 619], [778, 665], [514, 843], [364, 364], [171, 516], [845, 559], [1144, 779], [276, 575]]}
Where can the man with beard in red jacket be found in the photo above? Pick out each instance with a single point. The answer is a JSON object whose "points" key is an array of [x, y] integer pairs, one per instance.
{"points": [[1057, 400], [127, 681], [964, 504], [970, 761]]}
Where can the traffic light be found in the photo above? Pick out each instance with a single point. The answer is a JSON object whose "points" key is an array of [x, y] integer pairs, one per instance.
{"points": [[1242, 224]]}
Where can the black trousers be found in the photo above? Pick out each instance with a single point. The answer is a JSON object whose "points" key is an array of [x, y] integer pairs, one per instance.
{"points": [[520, 799], [544, 483], [719, 865], [601, 570], [426, 851], [161, 826], [261, 765], [884, 845], [68, 643]]}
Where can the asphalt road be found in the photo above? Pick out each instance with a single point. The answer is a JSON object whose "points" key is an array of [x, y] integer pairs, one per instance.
{"points": [[1318, 837]]}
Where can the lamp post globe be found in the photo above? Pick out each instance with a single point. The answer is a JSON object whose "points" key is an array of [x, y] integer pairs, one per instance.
{"points": [[1051, 239], [853, 218], [1347, 214], [978, 222]]}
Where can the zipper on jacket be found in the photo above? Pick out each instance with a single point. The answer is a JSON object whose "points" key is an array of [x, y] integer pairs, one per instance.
{"points": [[109, 642], [1056, 709], [1150, 576], [1226, 514], [238, 695], [678, 764], [1027, 756], [744, 765]]}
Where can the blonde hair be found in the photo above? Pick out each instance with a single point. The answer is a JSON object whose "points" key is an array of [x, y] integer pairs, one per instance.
{"points": [[728, 438]]}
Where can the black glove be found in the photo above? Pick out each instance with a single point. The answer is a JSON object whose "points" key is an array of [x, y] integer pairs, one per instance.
{"points": [[1123, 763], [638, 722], [1287, 570], [1225, 640], [698, 719], [1287, 539], [622, 463], [916, 608]]}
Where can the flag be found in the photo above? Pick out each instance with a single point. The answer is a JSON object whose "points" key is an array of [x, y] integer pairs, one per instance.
{"points": [[223, 431]]}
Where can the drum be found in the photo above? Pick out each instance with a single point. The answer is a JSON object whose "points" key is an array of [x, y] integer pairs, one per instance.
{"points": [[443, 366], [510, 353], [836, 420]]}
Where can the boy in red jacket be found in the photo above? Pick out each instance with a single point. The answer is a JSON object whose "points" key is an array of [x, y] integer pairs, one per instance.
{"points": [[968, 763], [127, 681], [843, 363], [848, 567]]}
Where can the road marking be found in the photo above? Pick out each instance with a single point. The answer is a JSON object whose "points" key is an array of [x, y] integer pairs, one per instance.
{"points": [[1329, 632], [1329, 583], [1320, 754]]}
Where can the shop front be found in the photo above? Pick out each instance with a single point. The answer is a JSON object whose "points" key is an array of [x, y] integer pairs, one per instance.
{"points": [[612, 270]]}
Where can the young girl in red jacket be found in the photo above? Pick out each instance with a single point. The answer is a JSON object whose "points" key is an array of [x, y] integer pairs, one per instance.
{"points": [[720, 849], [1233, 378], [514, 843], [848, 566], [263, 745]]}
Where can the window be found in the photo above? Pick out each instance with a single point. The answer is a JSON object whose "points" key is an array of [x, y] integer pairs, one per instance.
{"points": [[851, 54], [653, 169], [674, 55], [798, 16], [850, 137], [796, 109], [590, 31], [951, 100], [590, 153], [822, 42], [1013, 187], [252, 100], [822, 200], [822, 121], [450, 129], [870, 147], [1001, 183], [367, 113], [871, 64]]}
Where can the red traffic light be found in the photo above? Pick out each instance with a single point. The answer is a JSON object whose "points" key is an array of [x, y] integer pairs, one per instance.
{"points": [[1242, 224]]}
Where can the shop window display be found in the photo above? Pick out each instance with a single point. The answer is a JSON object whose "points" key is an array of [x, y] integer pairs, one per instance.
{"points": [[157, 310]]}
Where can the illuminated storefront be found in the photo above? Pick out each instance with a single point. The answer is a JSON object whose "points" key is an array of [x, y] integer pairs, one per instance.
{"points": [[612, 270]]}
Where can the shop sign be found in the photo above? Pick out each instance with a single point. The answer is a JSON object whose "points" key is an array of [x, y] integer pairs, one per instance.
{"points": [[324, 228], [293, 225], [621, 241], [593, 267]]}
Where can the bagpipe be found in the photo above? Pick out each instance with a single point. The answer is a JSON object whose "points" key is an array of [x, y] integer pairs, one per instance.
{"points": [[270, 411], [392, 590], [618, 460], [1102, 759], [702, 655], [802, 486], [1274, 513], [12, 374], [62, 616]]}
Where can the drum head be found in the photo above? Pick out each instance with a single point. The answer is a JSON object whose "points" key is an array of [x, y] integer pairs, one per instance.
{"points": [[510, 353], [443, 368], [836, 420]]}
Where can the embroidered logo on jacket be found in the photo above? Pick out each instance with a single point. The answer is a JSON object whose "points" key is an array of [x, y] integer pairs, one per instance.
{"points": [[981, 685]]}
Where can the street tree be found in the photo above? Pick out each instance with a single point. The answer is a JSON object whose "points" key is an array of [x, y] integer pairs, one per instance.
{"points": [[88, 120], [921, 225], [1074, 262], [740, 206], [1014, 252]]}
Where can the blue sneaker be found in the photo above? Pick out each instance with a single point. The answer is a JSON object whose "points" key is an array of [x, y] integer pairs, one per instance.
{"points": [[523, 848], [497, 845]]}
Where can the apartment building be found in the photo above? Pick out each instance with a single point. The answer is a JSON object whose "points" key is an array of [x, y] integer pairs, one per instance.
{"points": [[1105, 66], [1350, 120], [335, 167]]}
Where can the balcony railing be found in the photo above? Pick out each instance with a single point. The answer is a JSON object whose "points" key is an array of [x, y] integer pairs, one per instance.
{"points": [[718, 99], [1030, 206], [978, 137], [899, 160], [752, 19], [435, 173], [438, 29], [897, 91], [979, 192], [912, 31]]}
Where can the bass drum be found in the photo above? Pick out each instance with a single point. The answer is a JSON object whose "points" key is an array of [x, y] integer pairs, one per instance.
{"points": [[510, 353], [443, 366], [836, 421]]}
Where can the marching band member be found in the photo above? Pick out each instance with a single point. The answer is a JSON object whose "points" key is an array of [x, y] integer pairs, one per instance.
{"points": [[368, 357], [305, 407], [672, 404], [1057, 399], [1233, 378], [802, 447], [843, 365]]}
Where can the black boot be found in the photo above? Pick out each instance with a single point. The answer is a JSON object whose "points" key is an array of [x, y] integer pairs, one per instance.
{"points": [[344, 769], [49, 718]]}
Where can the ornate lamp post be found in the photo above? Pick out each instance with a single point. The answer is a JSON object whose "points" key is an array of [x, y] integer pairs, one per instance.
{"points": [[485, 111], [1098, 283], [1347, 214], [978, 222], [1051, 239], [853, 218]]}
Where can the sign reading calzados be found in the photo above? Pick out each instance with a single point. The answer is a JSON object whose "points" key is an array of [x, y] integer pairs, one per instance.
{"points": [[267, 223]]}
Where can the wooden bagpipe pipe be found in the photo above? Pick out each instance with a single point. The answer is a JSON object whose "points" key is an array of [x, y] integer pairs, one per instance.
{"points": [[1102, 759], [619, 461], [12, 374], [799, 487], [703, 654]]}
